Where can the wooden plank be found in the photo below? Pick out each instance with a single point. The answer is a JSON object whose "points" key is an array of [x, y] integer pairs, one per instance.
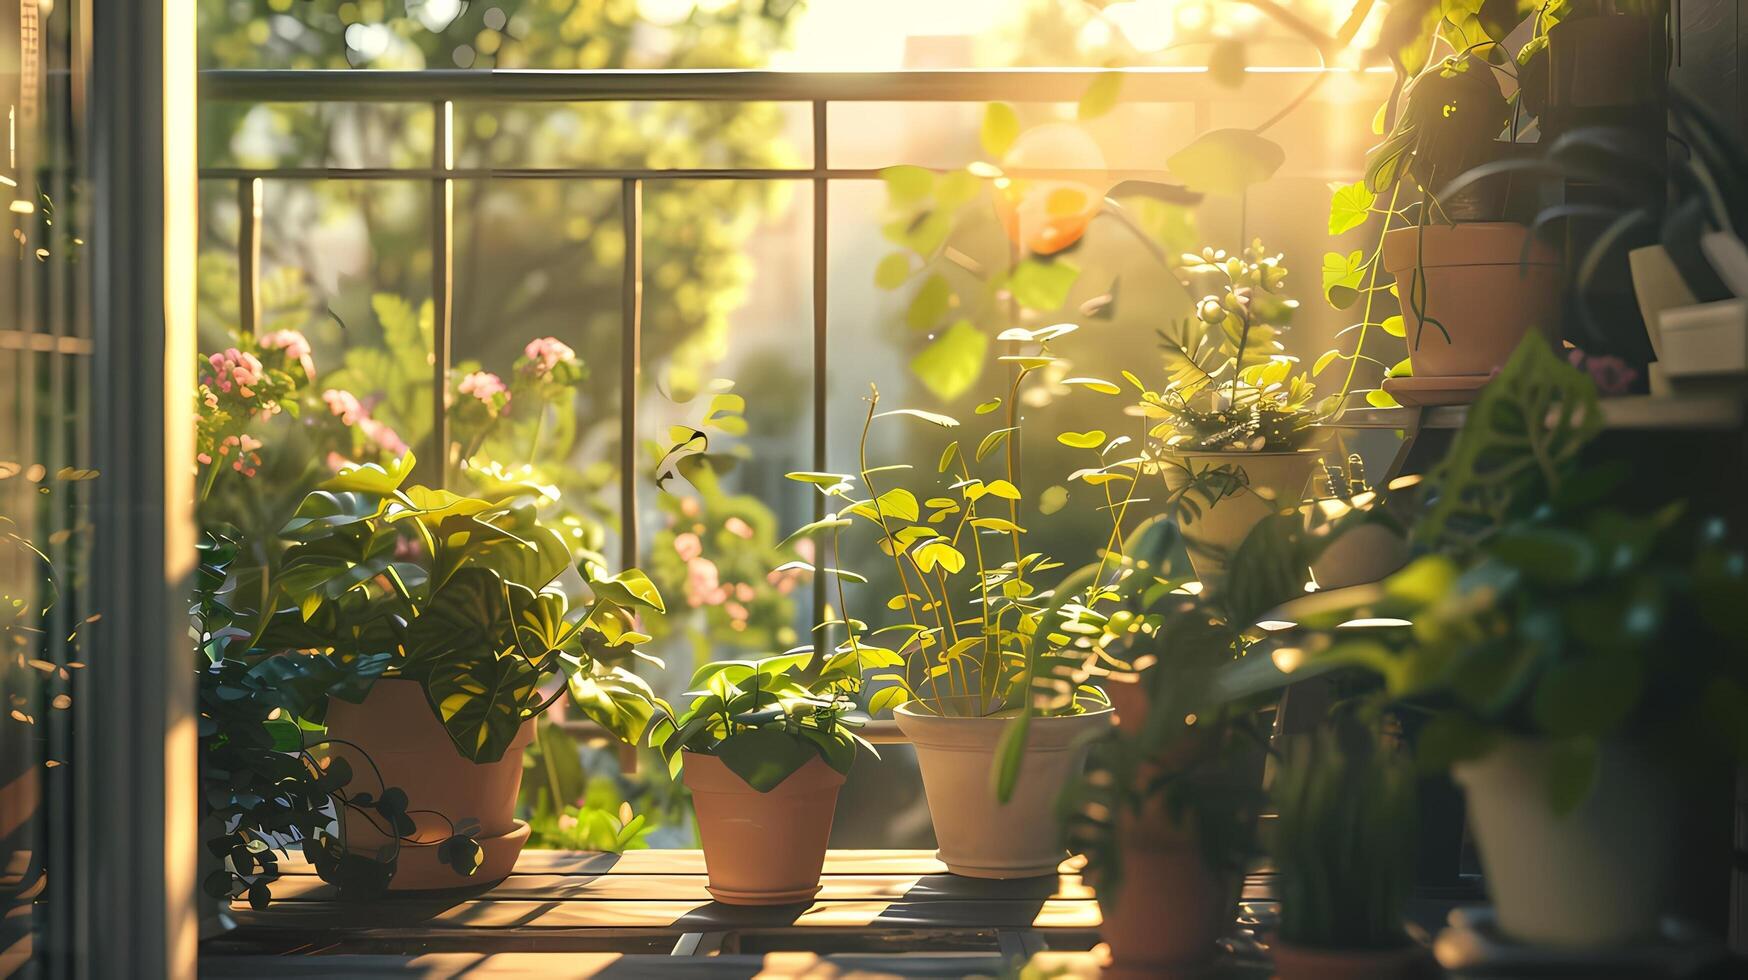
{"points": [[691, 862], [582, 966], [685, 887], [450, 916]]}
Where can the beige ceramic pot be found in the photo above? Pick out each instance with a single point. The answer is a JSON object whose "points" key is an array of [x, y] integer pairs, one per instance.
{"points": [[1472, 281], [1601, 875], [762, 848], [396, 727], [1309, 963], [1274, 482], [1658, 286], [1360, 555], [980, 837]]}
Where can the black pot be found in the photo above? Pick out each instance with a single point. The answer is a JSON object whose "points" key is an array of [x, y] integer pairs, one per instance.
{"points": [[1603, 70]]}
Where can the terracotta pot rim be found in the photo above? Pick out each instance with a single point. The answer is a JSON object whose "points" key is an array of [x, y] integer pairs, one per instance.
{"points": [[963, 733], [1402, 246], [705, 773]]}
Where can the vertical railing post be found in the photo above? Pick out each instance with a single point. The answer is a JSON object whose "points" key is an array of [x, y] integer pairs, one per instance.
{"points": [[630, 362], [249, 255], [821, 188], [442, 284]]}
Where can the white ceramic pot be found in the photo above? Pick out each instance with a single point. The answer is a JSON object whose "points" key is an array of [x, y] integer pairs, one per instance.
{"points": [[978, 836], [1658, 285], [1705, 340], [1273, 482], [1601, 875], [1360, 555]]}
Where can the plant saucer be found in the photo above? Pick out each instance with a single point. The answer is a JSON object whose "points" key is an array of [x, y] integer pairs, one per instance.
{"points": [[1455, 389], [1472, 945]]}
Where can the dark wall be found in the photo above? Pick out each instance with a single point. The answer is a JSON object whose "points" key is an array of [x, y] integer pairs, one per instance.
{"points": [[1709, 57]]}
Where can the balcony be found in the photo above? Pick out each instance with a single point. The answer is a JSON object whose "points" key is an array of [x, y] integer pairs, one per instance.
{"points": [[1221, 509]]}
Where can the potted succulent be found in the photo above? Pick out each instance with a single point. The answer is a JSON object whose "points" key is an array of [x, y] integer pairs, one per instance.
{"points": [[440, 625], [1471, 282], [764, 747], [1537, 638], [1343, 846], [1231, 424]]}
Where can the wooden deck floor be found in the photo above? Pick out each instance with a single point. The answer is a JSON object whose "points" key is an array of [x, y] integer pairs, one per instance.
{"points": [[646, 913]]}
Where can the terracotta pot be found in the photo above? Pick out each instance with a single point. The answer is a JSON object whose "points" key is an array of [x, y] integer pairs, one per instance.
{"points": [[1601, 875], [762, 848], [1275, 482], [1471, 280], [396, 727], [1310, 963], [1170, 907], [980, 837]]}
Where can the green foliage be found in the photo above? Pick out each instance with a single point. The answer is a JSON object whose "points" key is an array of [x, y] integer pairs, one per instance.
{"points": [[1230, 383], [1548, 614], [767, 718], [568, 810], [1227, 161], [461, 593], [1343, 842]]}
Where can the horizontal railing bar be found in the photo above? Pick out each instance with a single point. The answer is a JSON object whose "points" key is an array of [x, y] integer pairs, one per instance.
{"points": [[1155, 84], [628, 173]]}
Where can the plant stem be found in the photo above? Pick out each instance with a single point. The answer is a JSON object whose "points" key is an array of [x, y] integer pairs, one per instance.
{"points": [[1359, 343]]}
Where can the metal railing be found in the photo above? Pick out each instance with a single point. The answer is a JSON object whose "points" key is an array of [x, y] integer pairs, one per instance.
{"points": [[442, 89]]}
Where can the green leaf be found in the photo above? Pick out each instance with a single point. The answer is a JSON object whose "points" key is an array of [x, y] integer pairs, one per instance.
{"points": [[1226, 63], [1571, 774], [1227, 161], [1323, 361], [1100, 97], [933, 418], [892, 271], [479, 700], [1394, 326], [614, 698], [899, 503], [371, 478], [1039, 285], [907, 184], [956, 187], [1547, 555], [1099, 385], [929, 554], [629, 588], [1091, 439], [1588, 695], [984, 408], [1342, 276], [993, 441], [830, 480], [930, 303], [1002, 489], [764, 757], [1001, 126], [814, 527], [1009, 751], [1350, 207], [953, 362], [1001, 524], [1401, 369], [1053, 499]]}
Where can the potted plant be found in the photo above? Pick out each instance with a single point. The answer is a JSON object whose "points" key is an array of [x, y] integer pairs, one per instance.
{"points": [[1471, 282], [971, 654], [1671, 217], [1537, 638], [764, 746], [1232, 422], [1591, 62], [1354, 531], [1166, 811], [1343, 846], [439, 626]]}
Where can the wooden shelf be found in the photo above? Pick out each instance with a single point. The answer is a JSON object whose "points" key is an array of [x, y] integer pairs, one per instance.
{"points": [[1708, 412]]}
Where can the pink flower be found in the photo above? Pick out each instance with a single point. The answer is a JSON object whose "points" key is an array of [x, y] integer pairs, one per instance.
{"points": [[295, 346], [545, 354], [233, 368], [384, 438], [689, 506], [737, 615], [687, 546], [703, 588], [738, 528], [483, 385], [345, 406], [743, 591], [1611, 375]]}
